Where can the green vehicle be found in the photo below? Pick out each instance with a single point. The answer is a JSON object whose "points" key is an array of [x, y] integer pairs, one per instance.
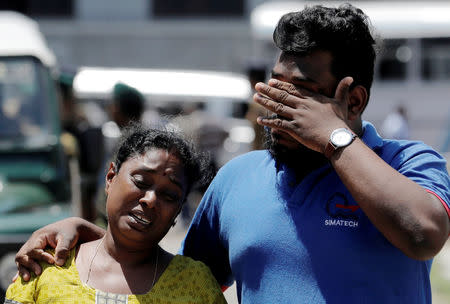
{"points": [[35, 184]]}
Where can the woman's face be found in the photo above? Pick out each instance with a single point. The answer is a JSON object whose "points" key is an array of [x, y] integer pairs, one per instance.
{"points": [[144, 197]]}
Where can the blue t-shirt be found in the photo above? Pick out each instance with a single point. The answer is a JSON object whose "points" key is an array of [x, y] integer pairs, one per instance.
{"points": [[310, 242]]}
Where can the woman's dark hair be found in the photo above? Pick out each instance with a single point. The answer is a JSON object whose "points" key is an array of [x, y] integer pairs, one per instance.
{"points": [[137, 140], [343, 31]]}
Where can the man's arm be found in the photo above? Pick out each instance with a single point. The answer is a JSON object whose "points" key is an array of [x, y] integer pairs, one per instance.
{"points": [[412, 219], [62, 235]]}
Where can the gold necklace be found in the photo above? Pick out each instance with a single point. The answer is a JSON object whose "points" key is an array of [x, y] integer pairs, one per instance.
{"points": [[92, 260], [95, 254]]}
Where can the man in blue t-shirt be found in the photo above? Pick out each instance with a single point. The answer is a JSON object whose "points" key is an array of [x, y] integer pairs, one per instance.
{"points": [[331, 212]]}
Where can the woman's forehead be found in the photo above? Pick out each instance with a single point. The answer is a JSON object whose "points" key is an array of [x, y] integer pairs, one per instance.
{"points": [[158, 162], [158, 158]]}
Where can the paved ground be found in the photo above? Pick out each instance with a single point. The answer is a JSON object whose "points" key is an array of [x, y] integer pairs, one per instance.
{"points": [[173, 240], [443, 259], [441, 293]]}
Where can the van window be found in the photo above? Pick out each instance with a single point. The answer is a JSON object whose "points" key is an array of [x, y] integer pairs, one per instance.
{"points": [[22, 110]]}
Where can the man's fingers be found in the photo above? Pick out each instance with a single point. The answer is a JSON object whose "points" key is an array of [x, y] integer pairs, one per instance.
{"points": [[275, 123], [24, 273], [45, 256], [286, 86], [276, 107], [62, 250], [16, 276], [36, 255], [27, 264], [343, 88], [278, 95]]}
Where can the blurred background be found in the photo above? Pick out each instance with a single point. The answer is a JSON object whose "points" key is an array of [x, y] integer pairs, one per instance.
{"points": [[73, 72]]}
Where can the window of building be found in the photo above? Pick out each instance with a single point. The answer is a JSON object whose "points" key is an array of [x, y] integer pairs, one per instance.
{"points": [[40, 8], [198, 8], [392, 60]]}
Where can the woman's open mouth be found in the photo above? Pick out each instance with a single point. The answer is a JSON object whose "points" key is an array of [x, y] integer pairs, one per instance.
{"points": [[140, 220]]}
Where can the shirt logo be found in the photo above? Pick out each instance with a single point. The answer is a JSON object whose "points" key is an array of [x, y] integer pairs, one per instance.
{"points": [[341, 212]]}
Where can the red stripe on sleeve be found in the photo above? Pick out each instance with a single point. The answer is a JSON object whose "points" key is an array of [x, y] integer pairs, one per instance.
{"points": [[442, 201]]}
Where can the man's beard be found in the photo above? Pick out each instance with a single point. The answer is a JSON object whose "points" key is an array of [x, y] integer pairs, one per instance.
{"points": [[302, 159]]}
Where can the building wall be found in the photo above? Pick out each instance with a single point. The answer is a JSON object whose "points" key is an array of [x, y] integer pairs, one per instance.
{"points": [[211, 45], [127, 34]]}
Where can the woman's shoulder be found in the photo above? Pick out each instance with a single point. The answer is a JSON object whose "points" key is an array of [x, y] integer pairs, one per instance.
{"points": [[26, 292], [182, 262], [69, 261], [66, 273], [187, 276]]}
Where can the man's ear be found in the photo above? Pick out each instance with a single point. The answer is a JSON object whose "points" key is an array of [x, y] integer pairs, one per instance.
{"points": [[357, 101], [109, 176]]}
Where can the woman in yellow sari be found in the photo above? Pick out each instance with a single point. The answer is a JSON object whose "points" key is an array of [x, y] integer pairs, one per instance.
{"points": [[146, 186]]}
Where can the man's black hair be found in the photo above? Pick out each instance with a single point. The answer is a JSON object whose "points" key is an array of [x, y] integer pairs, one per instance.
{"points": [[343, 31], [137, 140]]}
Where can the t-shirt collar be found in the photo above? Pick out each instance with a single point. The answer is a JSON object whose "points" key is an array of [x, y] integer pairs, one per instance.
{"points": [[370, 136]]}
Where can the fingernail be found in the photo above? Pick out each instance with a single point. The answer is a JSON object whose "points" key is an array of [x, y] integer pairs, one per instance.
{"points": [[272, 81], [59, 262], [257, 96], [259, 85]]}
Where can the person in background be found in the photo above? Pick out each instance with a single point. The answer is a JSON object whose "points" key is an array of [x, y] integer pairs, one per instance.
{"points": [[81, 140], [125, 107], [208, 133], [256, 73], [331, 212], [146, 186], [72, 119], [396, 124]]}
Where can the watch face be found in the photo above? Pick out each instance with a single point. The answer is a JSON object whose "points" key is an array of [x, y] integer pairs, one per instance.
{"points": [[341, 137]]}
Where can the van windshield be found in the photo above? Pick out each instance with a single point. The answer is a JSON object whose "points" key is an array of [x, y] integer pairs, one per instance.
{"points": [[23, 106]]}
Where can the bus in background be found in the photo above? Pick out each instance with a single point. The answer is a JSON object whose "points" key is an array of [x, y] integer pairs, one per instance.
{"points": [[35, 173], [413, 62]]}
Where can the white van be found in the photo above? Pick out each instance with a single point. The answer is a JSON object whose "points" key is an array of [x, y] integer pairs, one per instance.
{"points": [[221, 95]]}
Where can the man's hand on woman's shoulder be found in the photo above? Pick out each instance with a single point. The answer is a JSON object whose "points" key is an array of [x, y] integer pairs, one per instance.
{"points": [[62, 236]]}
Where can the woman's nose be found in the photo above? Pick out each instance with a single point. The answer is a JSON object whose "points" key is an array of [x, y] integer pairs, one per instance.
{"points": [[149, 199]]}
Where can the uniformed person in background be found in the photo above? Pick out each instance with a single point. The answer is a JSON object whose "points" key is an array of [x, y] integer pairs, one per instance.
{"points": [[81, 140]]}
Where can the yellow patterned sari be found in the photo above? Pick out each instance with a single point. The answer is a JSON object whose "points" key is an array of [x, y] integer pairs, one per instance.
{"points": [[183, 281]]}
